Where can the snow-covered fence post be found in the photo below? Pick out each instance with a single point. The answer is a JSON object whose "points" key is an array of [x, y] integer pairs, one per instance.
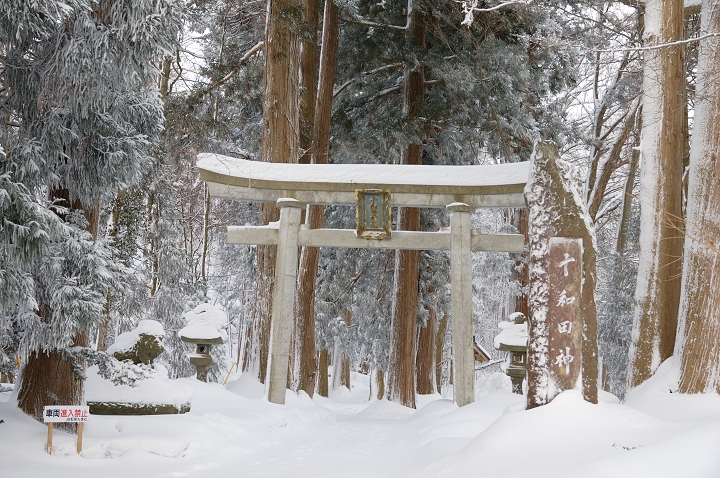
{"points": [[461, 290], [283, 298], [557, 216]]}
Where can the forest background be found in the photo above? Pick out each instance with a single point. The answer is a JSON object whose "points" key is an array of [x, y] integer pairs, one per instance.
{"points": [[106, 104]]}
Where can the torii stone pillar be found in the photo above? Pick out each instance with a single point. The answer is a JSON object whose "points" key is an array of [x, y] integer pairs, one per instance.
{"points": [[282, 303], [461, 293]]}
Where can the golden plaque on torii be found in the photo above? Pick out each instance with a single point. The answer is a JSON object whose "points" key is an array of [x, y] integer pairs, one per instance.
{"points": [[372, 213]]}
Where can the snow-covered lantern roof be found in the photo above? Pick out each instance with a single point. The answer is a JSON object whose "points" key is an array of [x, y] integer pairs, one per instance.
{"points": [[204, 325], [513, 338], [204, 329]]}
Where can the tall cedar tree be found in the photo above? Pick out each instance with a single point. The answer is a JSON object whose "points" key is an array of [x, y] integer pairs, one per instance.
{"points": [[661, 235], [305, 350], [403, 349], [75, 76], [700, 307], [279, 145]]}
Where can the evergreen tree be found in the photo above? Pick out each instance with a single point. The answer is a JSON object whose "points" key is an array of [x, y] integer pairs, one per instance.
{"points": [[699, 321], [79, 121]]}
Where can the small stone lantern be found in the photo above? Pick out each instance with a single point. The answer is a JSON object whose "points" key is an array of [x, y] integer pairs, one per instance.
{"points": [[201, 359], [204, 329], [513, 339]]}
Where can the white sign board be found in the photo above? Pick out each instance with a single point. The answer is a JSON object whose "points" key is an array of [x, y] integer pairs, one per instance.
{"points": [[65, 413]]}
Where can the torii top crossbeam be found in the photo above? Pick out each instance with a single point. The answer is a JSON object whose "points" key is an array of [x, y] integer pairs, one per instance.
{"points": [[498, 185]]}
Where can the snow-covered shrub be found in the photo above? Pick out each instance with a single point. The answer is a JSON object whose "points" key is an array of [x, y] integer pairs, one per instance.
{"points": [[124, 372]]}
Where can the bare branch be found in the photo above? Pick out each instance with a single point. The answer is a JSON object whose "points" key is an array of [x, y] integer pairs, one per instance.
{"points": [[663, 45], [368, 23], [470, 7], [365, 74], [250, 53]]}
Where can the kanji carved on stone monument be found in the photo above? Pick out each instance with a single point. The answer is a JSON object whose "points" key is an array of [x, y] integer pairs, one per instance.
{"points": [[564, 316]]}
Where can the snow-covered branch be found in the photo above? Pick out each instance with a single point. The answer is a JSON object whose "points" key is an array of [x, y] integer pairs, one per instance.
{"points": [[368, 23], [662, 45], [365, 74], [250, 53], [470, 7]]}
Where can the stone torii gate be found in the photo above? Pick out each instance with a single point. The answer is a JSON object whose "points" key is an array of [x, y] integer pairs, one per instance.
{"points": [[459, 189]]}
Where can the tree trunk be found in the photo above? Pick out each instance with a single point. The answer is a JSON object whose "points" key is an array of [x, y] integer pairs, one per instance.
{"points": [[101, 343], [279, 145], [625, 213], [345, 360], [323, 373], [613, 161], [377, 388], [47, 378], [262, 306], [206, 236], [164, 82], [700, 307], [308, 78], [304, 337], [520, 271], [426, 355], [661, 238], [401, 382], [439, 346]]}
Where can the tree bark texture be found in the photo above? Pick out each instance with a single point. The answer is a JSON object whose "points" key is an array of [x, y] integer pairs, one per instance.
{"points": [[279, 145], [303, 366], [426, 355], [262, 306], [308, 77], [48, 379], [657, 294], [401, 380], [323, 373], [401, 383], [304, 355], [699, 347], [377, 390], [556, 211]]}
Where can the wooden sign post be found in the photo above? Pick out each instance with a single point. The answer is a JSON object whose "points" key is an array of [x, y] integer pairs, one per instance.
{"points": [[62, 414]]}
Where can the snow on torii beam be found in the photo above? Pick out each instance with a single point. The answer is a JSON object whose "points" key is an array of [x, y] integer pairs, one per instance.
{"points": [[461, 189], [499, 185]]}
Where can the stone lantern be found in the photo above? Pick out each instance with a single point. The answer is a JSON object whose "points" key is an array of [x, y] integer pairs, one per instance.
{"points": [[204, 329], [201, 358], [513, 339]]}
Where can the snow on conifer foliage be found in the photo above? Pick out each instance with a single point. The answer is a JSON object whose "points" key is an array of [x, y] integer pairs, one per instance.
{"points": [[82, 117]]}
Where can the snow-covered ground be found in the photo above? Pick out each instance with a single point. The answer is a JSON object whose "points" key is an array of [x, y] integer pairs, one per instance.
{"points": [[232, 432]]}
